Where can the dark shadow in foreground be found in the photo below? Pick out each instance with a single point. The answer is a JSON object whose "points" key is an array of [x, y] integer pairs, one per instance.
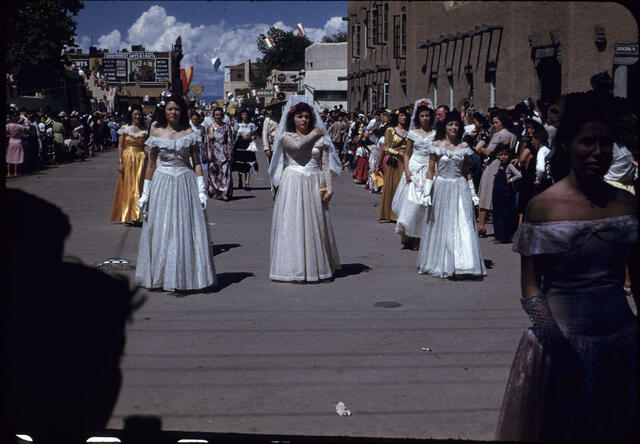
{"points": [[351, 270], [488, 263], [64, 329], [223, 248]]}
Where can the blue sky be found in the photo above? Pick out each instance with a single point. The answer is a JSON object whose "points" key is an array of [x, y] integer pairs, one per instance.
{"points": [[226, 29]]}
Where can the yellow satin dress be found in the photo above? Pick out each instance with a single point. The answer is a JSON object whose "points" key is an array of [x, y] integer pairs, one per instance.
{"points": [[394, 147], [129, 183]]}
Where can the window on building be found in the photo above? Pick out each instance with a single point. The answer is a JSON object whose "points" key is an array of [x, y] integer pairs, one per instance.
{"points": [[369, 31], [330, 96], [385, 23], [403, 33], [373, 97], [355, 41], [239, 76], [385, 94], [396, 36], [375, 29]]}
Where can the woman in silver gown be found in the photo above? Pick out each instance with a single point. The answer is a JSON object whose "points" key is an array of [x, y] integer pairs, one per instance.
{"points": [[407, 202], [303, 247], [449, 243], [174, 251], [574, 375]]}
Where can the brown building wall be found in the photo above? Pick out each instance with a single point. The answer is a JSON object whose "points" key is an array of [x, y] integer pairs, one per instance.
{"points": [[521, 28]]}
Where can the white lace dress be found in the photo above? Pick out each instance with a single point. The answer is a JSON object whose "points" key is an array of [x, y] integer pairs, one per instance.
{"points": [[174, 251], [406, 201], [449, 244], [303, 247]]}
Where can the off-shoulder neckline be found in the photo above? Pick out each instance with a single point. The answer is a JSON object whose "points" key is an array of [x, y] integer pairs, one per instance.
{"points": [[432, 133], [585, 221], [177, 138]]}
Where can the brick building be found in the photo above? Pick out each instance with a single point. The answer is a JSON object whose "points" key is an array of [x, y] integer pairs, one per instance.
{"points": [[491, 52]]}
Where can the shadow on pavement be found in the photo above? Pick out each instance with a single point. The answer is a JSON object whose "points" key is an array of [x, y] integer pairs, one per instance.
{"points": [[227, 279], [351, 270], [488, 263], [241, 197], [223, 248]]}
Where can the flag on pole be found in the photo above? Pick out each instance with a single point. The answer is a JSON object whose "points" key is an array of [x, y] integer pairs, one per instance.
{"points": [[269, 42], [146, 98], [276, 88], [230, 96], [215, 61], [300, 29], [186, 75], [254, 92]]}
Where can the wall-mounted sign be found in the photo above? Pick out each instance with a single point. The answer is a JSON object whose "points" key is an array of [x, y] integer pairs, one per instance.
{"points": [[288, 87], [282, 78]]}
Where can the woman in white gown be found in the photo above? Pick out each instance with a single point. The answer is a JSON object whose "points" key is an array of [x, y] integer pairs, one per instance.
{"points": [[407, 202], [449, 244], [303, 247], [174, 252]]}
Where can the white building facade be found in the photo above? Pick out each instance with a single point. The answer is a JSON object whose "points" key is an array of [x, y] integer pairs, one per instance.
{"points": [[324, 63]]}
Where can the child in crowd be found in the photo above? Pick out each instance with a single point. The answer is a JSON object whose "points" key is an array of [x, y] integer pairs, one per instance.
{"points": [[504, 205]]}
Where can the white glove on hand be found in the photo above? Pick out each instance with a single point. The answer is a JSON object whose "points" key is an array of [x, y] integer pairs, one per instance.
{"points": [[143, 202], [202, 192], [426, 194], [474, 197]]}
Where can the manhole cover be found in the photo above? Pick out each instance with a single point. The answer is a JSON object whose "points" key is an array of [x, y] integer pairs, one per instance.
{"points": [[115, 263], [387, 304]]}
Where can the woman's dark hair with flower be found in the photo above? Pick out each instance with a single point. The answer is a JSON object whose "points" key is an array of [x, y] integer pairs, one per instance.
{"points": [[419, 109], [160, 116], [441, 126], [297, 109], [131, 109]]}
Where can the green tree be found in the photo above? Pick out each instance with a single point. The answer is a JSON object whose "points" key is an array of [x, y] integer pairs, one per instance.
{"points": [[36, 33], [340, 36], [287, 54]]}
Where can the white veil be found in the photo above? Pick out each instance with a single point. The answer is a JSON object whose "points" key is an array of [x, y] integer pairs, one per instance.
{"points": [[277, 157], [418, 103]]}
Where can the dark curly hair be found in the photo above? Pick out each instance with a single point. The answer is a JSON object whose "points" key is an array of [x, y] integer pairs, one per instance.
{"points": [[416, 118], [441, 126], [161, 118], [134, 107], [300, 108], [243, 110]]}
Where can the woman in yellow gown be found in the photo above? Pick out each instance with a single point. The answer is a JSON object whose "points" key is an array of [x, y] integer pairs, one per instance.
{"points": [[391, 161], [132, 163]]}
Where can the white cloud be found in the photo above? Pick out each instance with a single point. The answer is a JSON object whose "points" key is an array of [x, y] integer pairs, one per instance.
{"points": [[157, 31]]}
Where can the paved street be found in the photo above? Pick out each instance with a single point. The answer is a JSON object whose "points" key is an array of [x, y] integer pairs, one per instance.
{"points": [[256, 356]]}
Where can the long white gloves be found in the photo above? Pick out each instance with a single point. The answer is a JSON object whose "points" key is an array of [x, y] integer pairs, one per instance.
{"points": [[143, 202], [426, 194], [474, 197], [202, 192]]}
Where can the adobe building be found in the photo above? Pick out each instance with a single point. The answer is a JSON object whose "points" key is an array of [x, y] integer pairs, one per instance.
{"points": [[324, 63], [238, 77], [493, 53]]}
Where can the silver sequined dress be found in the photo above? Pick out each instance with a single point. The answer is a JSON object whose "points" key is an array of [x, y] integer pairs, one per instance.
{"points": [[174, 251], [449, 244]]}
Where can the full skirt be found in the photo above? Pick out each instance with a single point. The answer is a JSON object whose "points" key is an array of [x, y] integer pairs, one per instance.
{"points": [[392, 176], [404, 204], [303, 247], [449, 245], [129, 186], [15, 153], [174, 251], [543, 402]]}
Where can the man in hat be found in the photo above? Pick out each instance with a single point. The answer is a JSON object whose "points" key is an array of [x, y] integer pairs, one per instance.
{"points": [[270, 126]]}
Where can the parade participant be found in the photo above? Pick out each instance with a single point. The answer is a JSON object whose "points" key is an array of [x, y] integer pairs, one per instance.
{"points": [[270, 126], [174, 251], [303, 247], [408, 198], [449, 243], [501, 136], [132, 161], [195, 121], [392, 154], [219, 146], [244, 156], [15, 151], [574, 374]]}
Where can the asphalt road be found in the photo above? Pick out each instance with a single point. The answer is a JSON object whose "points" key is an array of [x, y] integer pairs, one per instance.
{"points": [[255, 356]]}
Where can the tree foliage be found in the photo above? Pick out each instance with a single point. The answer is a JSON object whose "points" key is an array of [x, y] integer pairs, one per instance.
{"points": [[36, 33], [340, 36], [287, 54]]}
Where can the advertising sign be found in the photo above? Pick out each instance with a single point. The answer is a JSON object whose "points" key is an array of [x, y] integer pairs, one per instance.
{"points": [[162, 70], [142, 70]]}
